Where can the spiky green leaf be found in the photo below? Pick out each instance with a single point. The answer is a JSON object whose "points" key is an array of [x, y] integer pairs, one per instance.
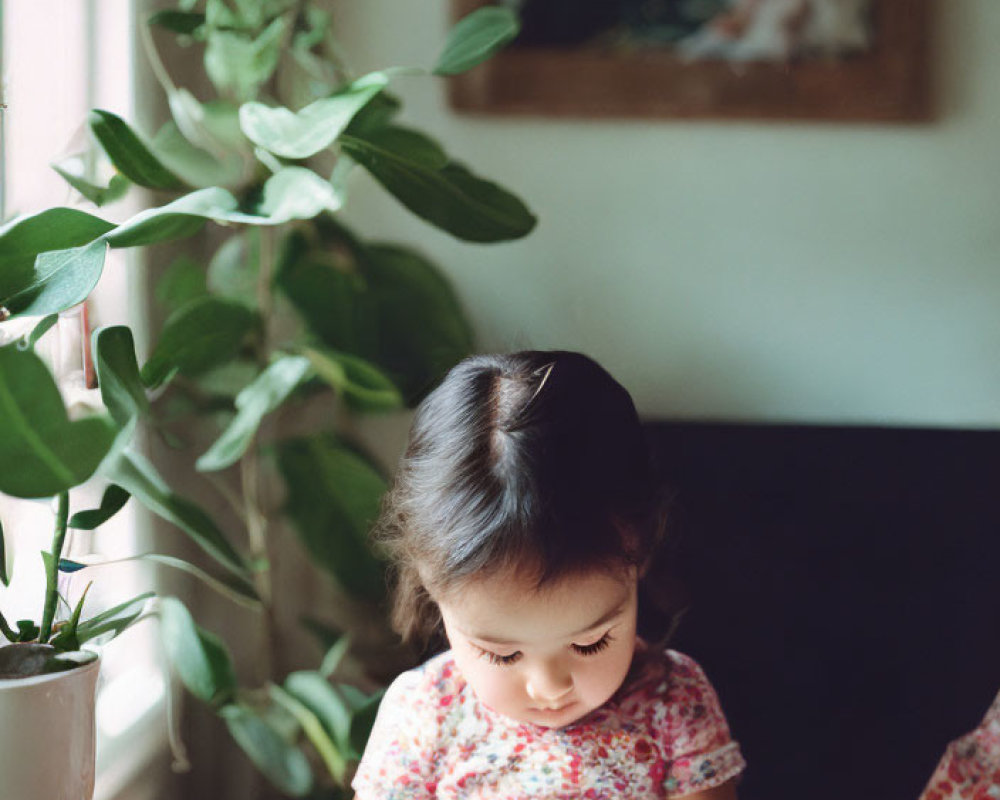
{"points": [[114, 620]]}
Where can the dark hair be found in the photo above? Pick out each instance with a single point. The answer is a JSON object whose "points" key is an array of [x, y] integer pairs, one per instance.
{"points": [[532, 461]]}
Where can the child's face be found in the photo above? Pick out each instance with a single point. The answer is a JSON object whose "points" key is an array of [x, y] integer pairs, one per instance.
{"points": [[547, 657]]}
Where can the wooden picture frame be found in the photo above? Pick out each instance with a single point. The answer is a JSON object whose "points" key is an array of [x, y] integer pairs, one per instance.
{"points": [[890, 82]]}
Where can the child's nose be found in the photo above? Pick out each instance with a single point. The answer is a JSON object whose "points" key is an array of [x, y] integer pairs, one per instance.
{"points": [[548, 684]]}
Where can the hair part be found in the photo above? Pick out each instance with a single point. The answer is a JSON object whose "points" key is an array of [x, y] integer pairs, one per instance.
{"points": [[532, 462]]}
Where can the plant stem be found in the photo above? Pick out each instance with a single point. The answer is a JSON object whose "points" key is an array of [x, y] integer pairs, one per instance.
{"points": [[155, 62], [52, 576], [9, 633], [256, 519]]}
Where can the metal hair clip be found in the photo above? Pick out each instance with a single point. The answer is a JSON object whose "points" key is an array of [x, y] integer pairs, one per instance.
{"points": [[518, 419], [547, 369]]}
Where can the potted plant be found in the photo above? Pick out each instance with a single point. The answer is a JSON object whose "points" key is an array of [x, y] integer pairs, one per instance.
{"points": [[292, 308]]}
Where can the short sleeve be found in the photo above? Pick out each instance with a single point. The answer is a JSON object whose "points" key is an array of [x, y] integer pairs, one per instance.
{"points": [[699, 752], [397, 761]]}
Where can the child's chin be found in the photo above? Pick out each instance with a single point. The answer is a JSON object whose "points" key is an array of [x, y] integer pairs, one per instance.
{"points": [[557, 719]]}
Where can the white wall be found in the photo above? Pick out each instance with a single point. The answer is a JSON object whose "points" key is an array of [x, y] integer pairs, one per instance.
{"points": [[807, 272]]}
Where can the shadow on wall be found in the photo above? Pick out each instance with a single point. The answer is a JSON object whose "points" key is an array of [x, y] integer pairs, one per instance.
{"points": [[842, 595]]}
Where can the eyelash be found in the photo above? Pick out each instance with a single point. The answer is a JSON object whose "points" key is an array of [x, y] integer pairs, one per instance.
{"points": [[581, 649]]}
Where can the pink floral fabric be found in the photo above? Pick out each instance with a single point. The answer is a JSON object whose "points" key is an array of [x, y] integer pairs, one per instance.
{"points": [[970, 767], [662, 735]]}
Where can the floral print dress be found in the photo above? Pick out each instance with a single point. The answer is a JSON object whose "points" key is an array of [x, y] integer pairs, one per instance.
{"points": [[661, 735]]}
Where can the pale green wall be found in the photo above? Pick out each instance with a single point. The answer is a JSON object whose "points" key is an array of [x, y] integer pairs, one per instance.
{"points": [[736, 271]]}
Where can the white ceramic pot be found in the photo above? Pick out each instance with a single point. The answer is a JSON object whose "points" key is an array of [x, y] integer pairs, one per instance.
{"points": [[47, 735]]}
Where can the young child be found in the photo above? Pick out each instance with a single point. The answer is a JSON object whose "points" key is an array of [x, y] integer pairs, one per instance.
{"points": [[522, 518]]}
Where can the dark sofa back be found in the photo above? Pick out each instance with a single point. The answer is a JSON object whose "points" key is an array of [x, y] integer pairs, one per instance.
{"points": [[843, 595]]}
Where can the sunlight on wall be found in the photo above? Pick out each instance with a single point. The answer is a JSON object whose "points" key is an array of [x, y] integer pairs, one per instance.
{"points": [[60, 59]]}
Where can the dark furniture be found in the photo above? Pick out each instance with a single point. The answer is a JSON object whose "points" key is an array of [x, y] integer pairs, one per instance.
{"points": [[843, 595]]}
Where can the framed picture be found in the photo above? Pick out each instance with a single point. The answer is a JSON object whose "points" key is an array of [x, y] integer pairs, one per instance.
{"points": [[846, 60]]}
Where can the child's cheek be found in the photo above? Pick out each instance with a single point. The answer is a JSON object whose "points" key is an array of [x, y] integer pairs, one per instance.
{"points": [[597, 682], [597, 679], [501, 691], [496, 687]]}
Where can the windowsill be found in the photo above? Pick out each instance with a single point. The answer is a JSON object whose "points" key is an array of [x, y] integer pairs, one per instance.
{"points": [[137, 741]]}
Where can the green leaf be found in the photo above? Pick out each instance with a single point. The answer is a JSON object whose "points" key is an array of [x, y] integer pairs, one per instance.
{"points": [[415, 146], [28, 631], [204, 334], [199, 657], [363, 385], [264, 395], [328, 293], [118, 373], [8, 632], [386, 305], [333, 497], [112, 501], [42, 328], [224, 382], [23, 238], [51, 453], [71, 170], [181, 22], [237, 589], [237, 65], [129, 154], [67, 640], [281, 762], [378, 113], [195, 165], [363, 721], [218, 14], [423, 331], [315, 731], [182, 282], [4, 570], [184, 217], [139, 478], [304, 133], [321, 698], [335, 656], [213, 127], [114, 620], [475, 38], [233, 270], [451, 197], [297, 193], [61, 279]]}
